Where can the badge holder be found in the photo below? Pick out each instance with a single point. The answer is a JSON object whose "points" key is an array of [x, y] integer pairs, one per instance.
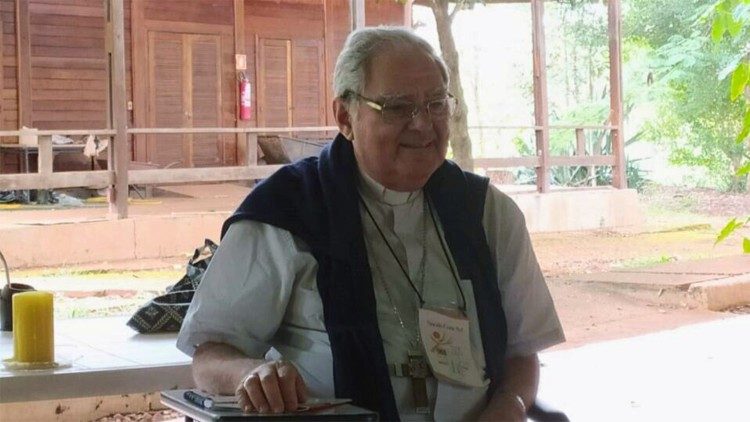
{"points": [[447, 344]]}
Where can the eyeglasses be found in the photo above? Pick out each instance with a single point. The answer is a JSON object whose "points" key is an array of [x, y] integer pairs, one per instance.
{"points": [[402, 111]]}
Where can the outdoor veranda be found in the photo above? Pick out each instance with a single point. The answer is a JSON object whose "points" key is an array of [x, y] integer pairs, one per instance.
{"points": [[112, 371], [120, 173]]}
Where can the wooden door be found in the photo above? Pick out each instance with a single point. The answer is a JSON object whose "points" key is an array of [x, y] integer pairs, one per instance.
{"points": [[308, 83], [274, 82], [291, 81], [184, 91], [205, 99]]}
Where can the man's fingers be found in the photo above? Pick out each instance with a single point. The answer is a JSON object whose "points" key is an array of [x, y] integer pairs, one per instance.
{"points": [[301, 389], [270, 383], [288, 377], [255, 393], [272, 387], [243, 399]]}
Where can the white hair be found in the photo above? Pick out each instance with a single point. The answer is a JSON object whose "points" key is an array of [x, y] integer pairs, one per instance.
{"points": [[362, 45]]}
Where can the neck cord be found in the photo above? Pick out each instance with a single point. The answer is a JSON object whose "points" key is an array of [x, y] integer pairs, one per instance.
{"points": [[390, 248], [454, 271]]}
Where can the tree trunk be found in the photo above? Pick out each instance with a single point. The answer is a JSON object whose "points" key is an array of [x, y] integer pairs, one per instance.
{"points": [[459, 139], [737, 183]]}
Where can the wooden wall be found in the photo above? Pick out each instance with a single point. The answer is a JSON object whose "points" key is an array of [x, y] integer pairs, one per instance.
{"points": [[383, 12], [68, 64], [9, 102], [284, 44], [63, 67], [338, 24], [312, 21], [184, 77]]}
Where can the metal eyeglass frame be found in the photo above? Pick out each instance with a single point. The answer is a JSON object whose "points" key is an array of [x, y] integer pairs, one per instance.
{"points": [[381, 107]]}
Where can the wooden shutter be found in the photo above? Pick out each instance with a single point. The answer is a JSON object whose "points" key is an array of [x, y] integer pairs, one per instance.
{"points": [[274, 80], [166, 98], [185, 91], [308, 82], [205, 98]]}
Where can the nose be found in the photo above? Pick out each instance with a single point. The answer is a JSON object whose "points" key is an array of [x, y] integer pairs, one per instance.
{"points": [[420, 119]]}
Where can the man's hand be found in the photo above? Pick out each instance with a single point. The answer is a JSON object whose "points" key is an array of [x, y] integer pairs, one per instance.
{"points": [[505, 407], [272, 387]]}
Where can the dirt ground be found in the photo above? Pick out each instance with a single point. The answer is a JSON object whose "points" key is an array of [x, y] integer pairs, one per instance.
{"points": [[680, 225]]}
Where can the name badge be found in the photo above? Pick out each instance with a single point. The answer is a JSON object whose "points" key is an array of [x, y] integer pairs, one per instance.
{"points": [[446, 341]]}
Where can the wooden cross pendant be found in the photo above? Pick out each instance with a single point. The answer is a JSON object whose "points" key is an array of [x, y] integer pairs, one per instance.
{"points": [[418, 370]]}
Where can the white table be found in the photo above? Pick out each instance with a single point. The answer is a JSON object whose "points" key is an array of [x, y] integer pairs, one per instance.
{"points": [[694, 373], [106, 357]]}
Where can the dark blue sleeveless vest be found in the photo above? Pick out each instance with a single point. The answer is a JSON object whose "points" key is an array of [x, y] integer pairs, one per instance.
{"points": [[316, 200]]}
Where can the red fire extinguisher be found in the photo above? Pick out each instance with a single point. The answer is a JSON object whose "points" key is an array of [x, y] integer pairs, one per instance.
{"points": [[246, 104]]}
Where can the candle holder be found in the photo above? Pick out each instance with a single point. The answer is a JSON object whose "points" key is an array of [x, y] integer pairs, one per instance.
{"points": [[6, 298]]}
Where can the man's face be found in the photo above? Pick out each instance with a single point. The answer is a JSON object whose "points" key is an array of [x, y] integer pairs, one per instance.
{"points": [[401, 155]]}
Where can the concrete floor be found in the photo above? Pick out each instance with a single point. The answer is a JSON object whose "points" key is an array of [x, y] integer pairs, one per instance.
{"points": [[695, 373]]}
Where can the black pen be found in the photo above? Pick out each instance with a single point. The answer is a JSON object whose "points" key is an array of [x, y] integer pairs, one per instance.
{"points": [[198, 400]]}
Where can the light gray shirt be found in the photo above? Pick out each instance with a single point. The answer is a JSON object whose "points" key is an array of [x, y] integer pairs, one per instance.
{"points": [[260, 294]]}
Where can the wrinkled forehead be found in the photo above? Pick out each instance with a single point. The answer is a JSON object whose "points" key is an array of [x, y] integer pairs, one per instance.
{"points": [[403, 72]]}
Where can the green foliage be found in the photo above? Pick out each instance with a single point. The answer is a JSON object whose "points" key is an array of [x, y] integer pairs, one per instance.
{"points": [[745, 132], [697, 121], [635, 175], [729, 17], [733, 17], [578, 60], [740, 77], [729, 228]]}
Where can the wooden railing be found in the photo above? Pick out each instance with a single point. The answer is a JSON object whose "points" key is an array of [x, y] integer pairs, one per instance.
{"points": [[45, 178], [251, 170], [580, 157]]}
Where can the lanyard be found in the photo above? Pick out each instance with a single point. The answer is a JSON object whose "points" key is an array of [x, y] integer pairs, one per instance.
{"points": [[424, 253]]}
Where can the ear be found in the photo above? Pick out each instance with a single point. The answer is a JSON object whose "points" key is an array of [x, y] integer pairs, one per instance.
{"points": [[343, 118]]}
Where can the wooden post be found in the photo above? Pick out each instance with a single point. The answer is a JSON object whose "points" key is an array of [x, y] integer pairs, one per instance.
{"points": [[619, 180], [45, 158], [541, 115], [357, 10], [23, 70], [2, 87], [327, 57], [580, 142], [118, 198], [139, 67], [408, 13], [581, 150], [251, 146], [251, 157], [239, 48]]}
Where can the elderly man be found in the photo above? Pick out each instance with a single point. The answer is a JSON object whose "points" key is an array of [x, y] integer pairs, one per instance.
{"points": [[377, 271]]}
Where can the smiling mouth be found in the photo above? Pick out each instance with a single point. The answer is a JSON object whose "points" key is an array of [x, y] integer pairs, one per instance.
{"points": [[416, 146]]}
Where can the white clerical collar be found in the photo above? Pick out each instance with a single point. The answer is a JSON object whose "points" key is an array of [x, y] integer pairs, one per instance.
{"points": [[374, 190]]}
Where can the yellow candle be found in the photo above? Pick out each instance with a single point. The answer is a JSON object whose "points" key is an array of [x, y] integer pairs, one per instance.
{"points": [[33, 327]]}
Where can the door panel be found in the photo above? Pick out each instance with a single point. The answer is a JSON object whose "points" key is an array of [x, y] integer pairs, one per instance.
{"points": [[185, 91], [166, 100], [308, 62], [274, 82], [205, 98], [291, 82]]}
